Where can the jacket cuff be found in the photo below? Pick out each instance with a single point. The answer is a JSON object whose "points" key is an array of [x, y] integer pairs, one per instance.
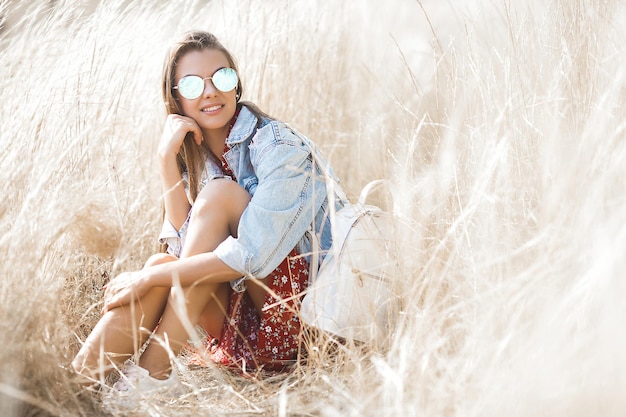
{"points": [[233, 254], [171, 237]]}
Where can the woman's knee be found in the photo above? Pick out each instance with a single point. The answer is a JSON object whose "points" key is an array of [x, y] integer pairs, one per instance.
{"points": [[222, 200], [159, 258]]}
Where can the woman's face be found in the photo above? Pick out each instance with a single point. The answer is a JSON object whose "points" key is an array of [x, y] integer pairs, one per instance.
{"points": [[214, 109]]}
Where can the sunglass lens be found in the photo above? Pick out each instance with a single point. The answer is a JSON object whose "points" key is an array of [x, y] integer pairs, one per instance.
{"points": [[191, 87], [225, 79]]}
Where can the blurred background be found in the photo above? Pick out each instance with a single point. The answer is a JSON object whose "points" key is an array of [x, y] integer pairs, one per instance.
{"points": [[500, 126]]}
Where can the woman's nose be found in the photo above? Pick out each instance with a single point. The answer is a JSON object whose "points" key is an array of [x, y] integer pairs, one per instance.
{"points": [[209, 88]]}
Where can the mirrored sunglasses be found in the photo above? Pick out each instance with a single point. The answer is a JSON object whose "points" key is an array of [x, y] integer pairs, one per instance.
{"points": [[192, 86]]}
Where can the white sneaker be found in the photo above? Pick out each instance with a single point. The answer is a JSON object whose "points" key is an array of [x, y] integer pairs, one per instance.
{"points": [[136, 386]]}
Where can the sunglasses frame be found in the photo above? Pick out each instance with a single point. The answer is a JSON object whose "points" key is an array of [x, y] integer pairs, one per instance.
{"points": [[176, 87]]}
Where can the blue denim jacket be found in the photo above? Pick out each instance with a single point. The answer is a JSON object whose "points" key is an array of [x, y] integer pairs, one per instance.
{"points": [[289, 183]]}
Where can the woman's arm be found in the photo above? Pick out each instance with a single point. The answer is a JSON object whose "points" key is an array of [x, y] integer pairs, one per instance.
{"points": [[203, 268], [174, 197], [285, 202]]}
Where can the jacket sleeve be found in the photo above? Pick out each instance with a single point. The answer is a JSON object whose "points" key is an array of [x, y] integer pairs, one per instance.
{"points": [[288, 195]]}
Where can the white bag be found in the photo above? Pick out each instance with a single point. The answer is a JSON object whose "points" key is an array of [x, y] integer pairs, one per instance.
{"points": [[352, 295]]}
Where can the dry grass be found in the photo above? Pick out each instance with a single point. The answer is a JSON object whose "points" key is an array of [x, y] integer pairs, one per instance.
{"points": [[502, 129]]}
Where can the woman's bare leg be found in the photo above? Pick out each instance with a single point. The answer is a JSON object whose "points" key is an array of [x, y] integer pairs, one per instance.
{"points": [[215, 216], [121, 331]]}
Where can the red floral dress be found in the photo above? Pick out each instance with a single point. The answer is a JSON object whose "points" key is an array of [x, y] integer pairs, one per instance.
{"points": [[268, 341]]}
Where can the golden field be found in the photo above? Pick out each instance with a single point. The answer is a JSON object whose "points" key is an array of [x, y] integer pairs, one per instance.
{"points": [[500, 125]]}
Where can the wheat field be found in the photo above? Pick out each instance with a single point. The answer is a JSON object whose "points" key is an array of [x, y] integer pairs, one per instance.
{"points": [[500, 125]]}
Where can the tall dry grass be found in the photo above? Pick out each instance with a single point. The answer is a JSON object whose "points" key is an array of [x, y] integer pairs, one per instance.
{"points": [[501, 127]]}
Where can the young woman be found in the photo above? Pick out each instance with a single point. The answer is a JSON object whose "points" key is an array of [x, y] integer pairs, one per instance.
{"points": [[246, 211]]}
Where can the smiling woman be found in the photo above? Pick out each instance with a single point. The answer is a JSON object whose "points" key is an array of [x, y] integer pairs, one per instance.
{"points": [[242, 192], [500, 126], [211, 107]]}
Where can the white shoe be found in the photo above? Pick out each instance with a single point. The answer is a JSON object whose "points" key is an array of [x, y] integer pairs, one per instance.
{"points": [[136, 386]]}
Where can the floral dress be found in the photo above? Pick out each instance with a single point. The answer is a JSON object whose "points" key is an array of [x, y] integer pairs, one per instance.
{"points": [[268, 341]]}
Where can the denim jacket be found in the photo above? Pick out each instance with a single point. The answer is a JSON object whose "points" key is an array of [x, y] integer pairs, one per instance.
{"points": [[291, 185]]}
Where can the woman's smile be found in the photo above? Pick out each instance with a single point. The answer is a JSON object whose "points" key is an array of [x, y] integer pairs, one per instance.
{"points": [[214, 109]]}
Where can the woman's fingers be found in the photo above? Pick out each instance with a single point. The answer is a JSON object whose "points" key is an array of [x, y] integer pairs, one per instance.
{"points": [[195, 129], [120, 299], [121, 290], [174, 132]]}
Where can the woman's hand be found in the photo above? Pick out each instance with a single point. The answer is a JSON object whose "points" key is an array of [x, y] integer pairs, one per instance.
{"points": [[175, 198], [125, 289], [174, 132]]}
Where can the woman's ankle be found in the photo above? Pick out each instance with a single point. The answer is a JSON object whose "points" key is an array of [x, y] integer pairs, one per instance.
{"points": [[157, 369]]}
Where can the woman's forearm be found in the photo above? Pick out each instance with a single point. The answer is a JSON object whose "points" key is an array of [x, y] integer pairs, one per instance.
{"points": [[174, 196], [203, 268]]}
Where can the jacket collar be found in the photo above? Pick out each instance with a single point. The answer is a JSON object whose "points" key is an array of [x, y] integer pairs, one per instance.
{"points": [[245, 125]]}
